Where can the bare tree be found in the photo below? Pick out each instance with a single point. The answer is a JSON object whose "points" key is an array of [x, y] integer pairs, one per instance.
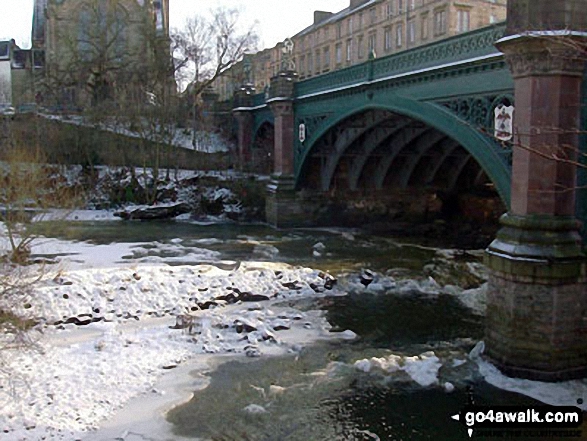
{"points": [[207, 47], [103, 51], [29, 189]]}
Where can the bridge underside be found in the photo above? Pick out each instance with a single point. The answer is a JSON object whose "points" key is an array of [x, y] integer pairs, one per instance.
{"points": [[412, 167], [379, 150]]}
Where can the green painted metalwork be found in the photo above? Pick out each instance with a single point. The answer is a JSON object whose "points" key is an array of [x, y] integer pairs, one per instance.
{"points": [[472, 45], [486, 152], [258, 99], [452, 85]]}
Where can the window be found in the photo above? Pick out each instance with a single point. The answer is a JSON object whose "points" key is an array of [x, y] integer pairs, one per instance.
{"points": [[372, 43], [424, 26], [411, 31], [390, 9], [360, 21], [84, 37], [310, 64], [411, 5], [302, 64], [463, 20], [492, 19], [326, 57], [440, 22], [38, 58], [120, 44], [400, 6], [338, 54], [399, 33], [158, 16], [387, 39], [339, 29], [350, 25], [373, 15], [349, 50], [317, 60], [101, 24], [360, 48], [19, 58], [4, 50]]}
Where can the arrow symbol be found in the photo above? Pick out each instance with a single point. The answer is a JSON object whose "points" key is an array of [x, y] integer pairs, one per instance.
{"points": [[470, 433], [456, 417]]}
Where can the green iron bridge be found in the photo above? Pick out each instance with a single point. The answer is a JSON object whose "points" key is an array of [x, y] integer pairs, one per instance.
{"points": [[421, 123], [422, 116]]}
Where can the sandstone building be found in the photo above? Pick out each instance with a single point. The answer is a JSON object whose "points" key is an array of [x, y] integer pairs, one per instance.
{"points": [[380, 27], [92, 51], [16, 67]]}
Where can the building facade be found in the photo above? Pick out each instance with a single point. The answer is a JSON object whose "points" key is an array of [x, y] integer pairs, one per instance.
{"points": [[89, 50], [16, 80], [366, 28]]}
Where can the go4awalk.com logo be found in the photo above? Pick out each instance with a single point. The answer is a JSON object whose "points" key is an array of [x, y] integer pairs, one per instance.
{"points": [[542, 421]]}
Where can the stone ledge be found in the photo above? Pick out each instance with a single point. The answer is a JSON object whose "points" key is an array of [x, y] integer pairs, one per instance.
{"points": [[538, 249]]}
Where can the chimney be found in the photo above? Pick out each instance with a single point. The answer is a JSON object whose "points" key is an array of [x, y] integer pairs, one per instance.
{"points": [[320, 16], [356, 3]]}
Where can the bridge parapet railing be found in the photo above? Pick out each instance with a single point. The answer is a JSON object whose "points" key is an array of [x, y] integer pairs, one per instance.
{"points": [[341, 78], [468, 46], [258, 99]]}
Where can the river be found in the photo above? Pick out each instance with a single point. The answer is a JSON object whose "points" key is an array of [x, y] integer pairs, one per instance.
{"points": [[324, 391]]}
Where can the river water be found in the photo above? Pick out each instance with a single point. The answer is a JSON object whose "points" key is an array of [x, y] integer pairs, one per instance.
{"points": [[318, 393]]}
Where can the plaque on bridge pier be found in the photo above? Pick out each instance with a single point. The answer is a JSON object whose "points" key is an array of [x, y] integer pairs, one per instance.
{"points": [[504, 118]]}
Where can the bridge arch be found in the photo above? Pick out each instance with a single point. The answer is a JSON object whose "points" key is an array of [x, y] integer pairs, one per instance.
{"points": [[423, 117], [262, 145]]}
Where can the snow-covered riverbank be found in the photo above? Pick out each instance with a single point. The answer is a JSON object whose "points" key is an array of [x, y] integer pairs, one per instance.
{"points": [[115, 377], [72, 378]]}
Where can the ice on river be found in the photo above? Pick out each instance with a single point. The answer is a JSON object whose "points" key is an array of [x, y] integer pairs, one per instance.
{"points": [[422, 369], [71, 378]]}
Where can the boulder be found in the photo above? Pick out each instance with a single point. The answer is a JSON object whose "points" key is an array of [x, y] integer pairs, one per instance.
{"points": [[155, 212]]}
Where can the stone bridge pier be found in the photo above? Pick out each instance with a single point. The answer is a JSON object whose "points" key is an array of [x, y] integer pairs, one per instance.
{"points": [[537, 296], [283, 208]]}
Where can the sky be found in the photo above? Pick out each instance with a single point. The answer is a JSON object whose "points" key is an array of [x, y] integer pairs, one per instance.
{"points": [[277, 19]]}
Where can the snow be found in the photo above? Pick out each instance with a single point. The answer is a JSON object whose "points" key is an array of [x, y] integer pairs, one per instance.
{"points": [[74, 379], [77, 215], [206, 142], [449, 387], [474, 299], [255, 409], [565, 393], [81, 382], [422, 369]]}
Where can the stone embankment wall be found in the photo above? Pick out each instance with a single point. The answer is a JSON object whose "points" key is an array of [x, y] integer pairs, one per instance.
{"points": [[65, 143]]}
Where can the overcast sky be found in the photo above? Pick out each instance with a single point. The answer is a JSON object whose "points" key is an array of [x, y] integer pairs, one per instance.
{"points": [[277, 19]]}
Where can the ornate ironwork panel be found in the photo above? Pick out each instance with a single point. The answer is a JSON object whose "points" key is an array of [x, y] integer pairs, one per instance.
{"points": [[471, 45], [479, 113]]}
